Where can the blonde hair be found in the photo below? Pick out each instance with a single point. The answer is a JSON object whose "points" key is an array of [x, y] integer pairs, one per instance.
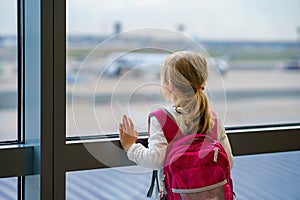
{"points": [[181, 76]]}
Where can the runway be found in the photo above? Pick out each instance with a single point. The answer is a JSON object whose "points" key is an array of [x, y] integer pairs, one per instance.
{"points": [[96, 103], [241, 97]]}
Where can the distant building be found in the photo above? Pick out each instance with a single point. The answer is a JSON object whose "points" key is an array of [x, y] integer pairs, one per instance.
{"points": [[117, 27], [181, 28]]}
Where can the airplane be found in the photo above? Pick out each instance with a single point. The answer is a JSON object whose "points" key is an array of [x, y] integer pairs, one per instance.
{"points": [[293, 65], [148, 64]]}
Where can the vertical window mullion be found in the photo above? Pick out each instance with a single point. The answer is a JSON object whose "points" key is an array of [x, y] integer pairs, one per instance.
{"points": [[20, 88], [47, 93], [59, 98], [20, 64]]}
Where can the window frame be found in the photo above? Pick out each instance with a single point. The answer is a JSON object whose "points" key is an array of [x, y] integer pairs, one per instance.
{"points": [[45, 152], [20, 61]]}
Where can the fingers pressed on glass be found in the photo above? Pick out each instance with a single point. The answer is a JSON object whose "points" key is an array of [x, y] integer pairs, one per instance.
{"points": [[125, 122], [130, 123], [121, 129]]}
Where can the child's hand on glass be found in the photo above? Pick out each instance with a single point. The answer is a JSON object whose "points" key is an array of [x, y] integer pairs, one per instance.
{"points": [[128, 135]]}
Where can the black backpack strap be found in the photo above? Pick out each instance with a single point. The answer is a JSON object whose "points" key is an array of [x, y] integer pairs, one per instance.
{"points": [[154, 178], [170, 130]]}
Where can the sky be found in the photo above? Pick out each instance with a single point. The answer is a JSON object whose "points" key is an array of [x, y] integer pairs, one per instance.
{"points": [[204, 19]]}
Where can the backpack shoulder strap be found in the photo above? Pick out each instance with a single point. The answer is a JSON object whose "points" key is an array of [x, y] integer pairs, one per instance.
{"points": [[170, 130], [168, 125]]}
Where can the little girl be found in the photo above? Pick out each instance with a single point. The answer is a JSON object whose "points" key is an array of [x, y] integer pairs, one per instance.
{"points": [[183, 77]]}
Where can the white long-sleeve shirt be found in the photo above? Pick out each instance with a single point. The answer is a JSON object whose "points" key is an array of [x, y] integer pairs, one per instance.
{"points": [[154, 156]]}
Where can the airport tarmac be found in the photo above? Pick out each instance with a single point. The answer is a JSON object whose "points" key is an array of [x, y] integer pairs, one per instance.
{"points": [[241, 97]]}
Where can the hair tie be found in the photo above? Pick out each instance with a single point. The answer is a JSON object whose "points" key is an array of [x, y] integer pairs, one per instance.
{"points": [[200, 88]]}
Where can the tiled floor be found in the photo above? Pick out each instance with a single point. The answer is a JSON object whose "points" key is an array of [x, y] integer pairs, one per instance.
{"points": [[273, 176], [257, 177]]}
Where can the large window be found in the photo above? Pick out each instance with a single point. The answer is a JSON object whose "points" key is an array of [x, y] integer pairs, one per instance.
{"points": [[85, 63], [115, 51], [114, 54], [8, 71]]}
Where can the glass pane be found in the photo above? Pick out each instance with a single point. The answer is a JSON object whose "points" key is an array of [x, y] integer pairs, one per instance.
{"points": [[8, 70], [267, 176], [115, 50], [124, 183], [9, 189]]}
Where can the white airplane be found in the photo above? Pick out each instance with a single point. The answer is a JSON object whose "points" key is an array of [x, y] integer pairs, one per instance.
{"points": [[148, 64]]}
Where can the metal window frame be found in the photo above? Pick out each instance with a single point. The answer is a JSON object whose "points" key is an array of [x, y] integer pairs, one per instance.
{"points": [[45, 154], [20, 61]]}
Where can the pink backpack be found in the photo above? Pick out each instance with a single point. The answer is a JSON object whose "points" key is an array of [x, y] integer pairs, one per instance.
{"points": [[196, 165]]}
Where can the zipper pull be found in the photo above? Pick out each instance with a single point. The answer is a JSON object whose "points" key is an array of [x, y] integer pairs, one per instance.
{"points": [[216, 155], [162, 188]]}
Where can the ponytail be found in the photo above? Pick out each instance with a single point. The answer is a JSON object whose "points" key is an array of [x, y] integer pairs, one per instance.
{"points": [[196, 117], [205, 121]]}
